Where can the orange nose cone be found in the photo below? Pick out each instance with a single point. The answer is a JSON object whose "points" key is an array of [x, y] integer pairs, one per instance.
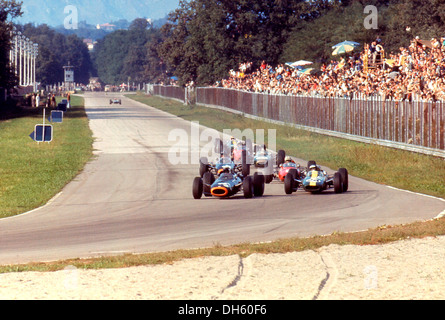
{"points": [[219, 192]]}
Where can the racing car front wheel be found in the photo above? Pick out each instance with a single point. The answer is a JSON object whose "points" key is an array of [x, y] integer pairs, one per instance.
{"points": [[289, 184], [248, 188], [258, 184], [208, 180], [338, 183], [345, 178], [197, 188]]}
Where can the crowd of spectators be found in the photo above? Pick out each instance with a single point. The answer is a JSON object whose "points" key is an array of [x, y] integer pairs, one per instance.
{"points": [[413, 73]]}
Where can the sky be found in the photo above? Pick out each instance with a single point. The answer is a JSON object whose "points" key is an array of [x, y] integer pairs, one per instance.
{"points": [[56, 12]]}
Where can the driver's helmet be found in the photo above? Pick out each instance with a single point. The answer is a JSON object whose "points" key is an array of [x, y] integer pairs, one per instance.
{"points": [[288, 159], [313, 167]]}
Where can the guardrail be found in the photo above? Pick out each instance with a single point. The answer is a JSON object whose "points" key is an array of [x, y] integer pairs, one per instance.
{"points": [[173, 92], [416, 126]]}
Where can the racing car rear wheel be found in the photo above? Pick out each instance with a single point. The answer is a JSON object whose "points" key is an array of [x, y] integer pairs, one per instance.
{"points": [[269, 178], [203, 162], [248, 188], [208, 180], [197, 188], [338, 185], [249, 153], [245, 164], [219, 146], [345, 178], [258, 184], [281, 155]]}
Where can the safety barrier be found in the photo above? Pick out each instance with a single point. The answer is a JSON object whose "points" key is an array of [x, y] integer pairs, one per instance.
{"points": [[410, 125]]}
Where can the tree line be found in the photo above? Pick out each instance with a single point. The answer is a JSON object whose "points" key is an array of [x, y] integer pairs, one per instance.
{"points": [[202, 40]]}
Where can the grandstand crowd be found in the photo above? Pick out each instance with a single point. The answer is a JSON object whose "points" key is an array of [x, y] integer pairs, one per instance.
{"points": [[413, 73]]}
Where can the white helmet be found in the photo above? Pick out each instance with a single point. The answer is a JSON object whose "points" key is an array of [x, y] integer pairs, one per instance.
{"points": [[288, 159]]}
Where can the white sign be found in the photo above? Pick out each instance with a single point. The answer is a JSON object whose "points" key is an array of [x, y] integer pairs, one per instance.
{"points": [[69, 76]]}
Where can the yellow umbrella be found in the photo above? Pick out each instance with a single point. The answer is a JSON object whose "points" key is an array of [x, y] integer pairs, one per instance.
{"points": [[343, 49]]}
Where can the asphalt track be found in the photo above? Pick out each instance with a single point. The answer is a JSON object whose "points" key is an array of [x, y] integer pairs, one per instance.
{"points": [[131, 199]]}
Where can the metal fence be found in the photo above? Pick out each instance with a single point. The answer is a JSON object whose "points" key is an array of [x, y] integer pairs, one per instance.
{"points": [[173, 92], [411, 125]]}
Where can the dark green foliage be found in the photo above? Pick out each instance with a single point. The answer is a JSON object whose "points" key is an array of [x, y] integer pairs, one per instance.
{"points": [[203, 40], [57, 50], [8, 10], [128, 55]]}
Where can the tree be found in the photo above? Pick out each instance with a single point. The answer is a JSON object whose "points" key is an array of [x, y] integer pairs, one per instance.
{"points": [[57, 50], [139, 24], [125, 54], [205, 39], [8, 10]]}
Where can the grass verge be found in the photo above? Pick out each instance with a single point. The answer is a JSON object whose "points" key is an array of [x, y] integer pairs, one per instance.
{"points": [[32, 173], [375, 236]]}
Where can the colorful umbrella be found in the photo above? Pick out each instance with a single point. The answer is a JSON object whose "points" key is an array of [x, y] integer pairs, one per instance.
{"points": [[299, 63], [343, 49], [349, 43], [307, 71]]}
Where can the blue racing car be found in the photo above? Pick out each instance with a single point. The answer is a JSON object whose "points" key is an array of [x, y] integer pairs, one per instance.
{"points": [[316, 180]]}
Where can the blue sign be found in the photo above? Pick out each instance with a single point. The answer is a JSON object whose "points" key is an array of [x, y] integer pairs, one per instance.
{"points": [[42, 133], [56, 116]]}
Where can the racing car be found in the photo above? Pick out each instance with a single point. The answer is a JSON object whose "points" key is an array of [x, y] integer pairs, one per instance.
{"points": [[286, 167], [228, 184], [115, 101], [316, 180], [275, 166]]}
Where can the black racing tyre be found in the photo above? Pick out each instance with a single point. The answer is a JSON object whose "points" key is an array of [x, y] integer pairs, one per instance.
{"points": [[250, 152], [289, 184], [345, 178], [245, 164], [338, 185], [268, 178], [203, 166], [197, 188], [293, 173], [258, 184], [208, 180], [281, 155], [248, 188], [219, 146]]}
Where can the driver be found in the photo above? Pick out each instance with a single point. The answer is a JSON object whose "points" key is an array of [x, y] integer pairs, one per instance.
{"points": [[314, 167], [288, 159], [225, 173]]}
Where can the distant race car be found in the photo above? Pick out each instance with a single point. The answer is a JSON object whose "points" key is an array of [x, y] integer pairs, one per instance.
{"points": [[225, 179], [262, 158], [115, 101], [316, 180]]}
